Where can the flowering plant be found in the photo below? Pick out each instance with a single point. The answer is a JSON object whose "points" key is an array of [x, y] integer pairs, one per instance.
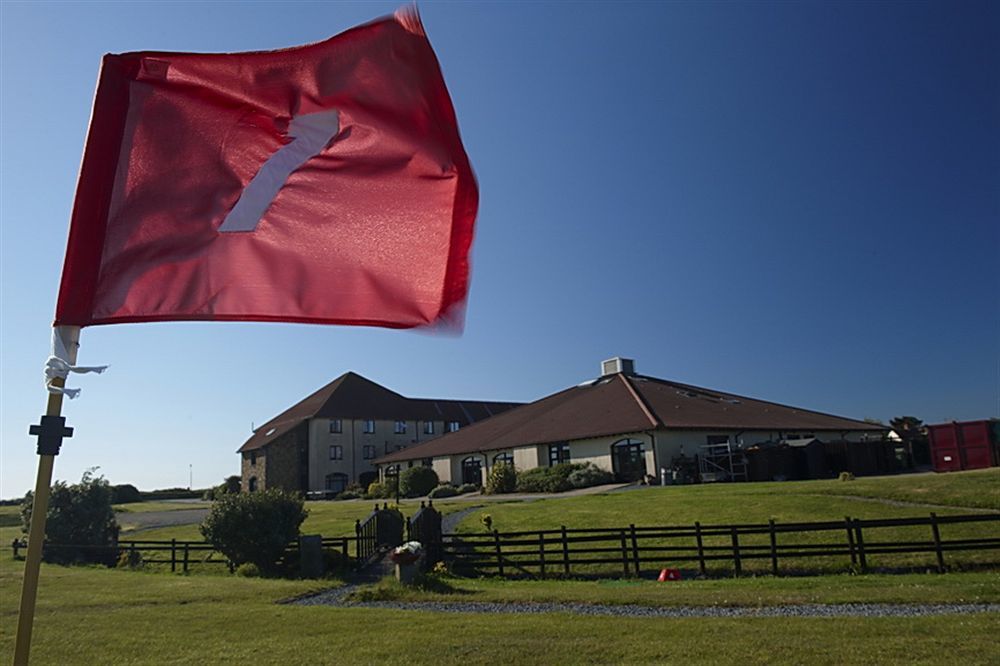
{"points": [[408, 553]]}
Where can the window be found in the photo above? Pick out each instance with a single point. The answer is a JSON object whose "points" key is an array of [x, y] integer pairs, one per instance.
{"points": [[628, 462], [253, 457], [471, 471], [558, 453], [369, 452], [428, 427], [506, 458], [253, 484], [453, 426], [369, 428], [336, 452], [717, 439], [336, 482], [400, 428], [336, 426], [427, 462]]}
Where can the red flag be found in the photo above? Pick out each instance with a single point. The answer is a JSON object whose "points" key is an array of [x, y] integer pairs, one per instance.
{"points": [[324, 184]]}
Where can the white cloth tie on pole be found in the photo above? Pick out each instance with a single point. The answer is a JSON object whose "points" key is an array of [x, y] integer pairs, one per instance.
{"points": [[58, 364]]}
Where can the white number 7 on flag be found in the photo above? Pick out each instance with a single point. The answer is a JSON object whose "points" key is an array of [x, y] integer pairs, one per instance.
{"points": [[311, 133]]}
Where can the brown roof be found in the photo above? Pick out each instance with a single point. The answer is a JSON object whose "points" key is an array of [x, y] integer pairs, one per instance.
{"points": [[618, 404], [352, 396]]}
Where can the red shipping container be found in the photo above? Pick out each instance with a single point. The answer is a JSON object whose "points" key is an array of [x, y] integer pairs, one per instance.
{"points": [[962, 445]]}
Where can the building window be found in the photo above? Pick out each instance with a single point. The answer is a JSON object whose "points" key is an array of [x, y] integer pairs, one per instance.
{"points": [[252, 485], [369, 452], [427, 462], [253, 457], [453, 426], [558, 453], [506, 458], [336, 426], [428, 427], [369, 428], [628, 462], [336, 452], [336, 482], [400, 428]]}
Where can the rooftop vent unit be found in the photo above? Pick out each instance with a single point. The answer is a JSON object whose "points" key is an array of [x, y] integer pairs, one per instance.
{"points": [[625, 366]]}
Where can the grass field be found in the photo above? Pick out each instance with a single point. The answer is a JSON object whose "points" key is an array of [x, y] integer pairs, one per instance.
{"points": [[95, 615], [91, 615]]}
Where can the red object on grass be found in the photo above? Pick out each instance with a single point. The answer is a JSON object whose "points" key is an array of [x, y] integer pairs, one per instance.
{"points": [[669, 574], [325, 183]]}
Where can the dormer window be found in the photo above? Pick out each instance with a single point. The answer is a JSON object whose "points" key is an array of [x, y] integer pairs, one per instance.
{"points": [[453, 426], [369, 428], [428, 427], [400, 428]]}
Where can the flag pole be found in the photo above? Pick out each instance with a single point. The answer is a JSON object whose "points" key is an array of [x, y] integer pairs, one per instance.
{"points": [[40, 506]]}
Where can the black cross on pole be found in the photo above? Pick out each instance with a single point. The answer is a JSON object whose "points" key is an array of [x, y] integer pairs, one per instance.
{"points": [[50, 433]]}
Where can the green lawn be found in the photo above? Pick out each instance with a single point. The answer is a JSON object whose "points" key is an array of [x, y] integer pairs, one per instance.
{"points": [[160, 505], [978, 587], [91, 615], [756, 503]]}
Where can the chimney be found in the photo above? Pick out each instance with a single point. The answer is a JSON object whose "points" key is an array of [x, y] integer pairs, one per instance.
{"points": [[625, 366]]}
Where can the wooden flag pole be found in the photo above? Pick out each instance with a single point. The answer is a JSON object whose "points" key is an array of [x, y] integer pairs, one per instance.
{"points": [[36, 535]]}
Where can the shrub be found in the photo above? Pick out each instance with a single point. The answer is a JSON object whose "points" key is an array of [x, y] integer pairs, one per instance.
{"points": [[78, 515], [254, 527], [443, 491], [487, 521], [417, 481], [589, 475], [248, 570], [467, 488], [125, 494], [501, 479], [130, 559], [846, 476], [348, 494], [554, 479]]}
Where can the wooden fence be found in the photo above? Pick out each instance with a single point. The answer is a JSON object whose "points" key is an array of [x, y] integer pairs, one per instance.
{"points": [[544, 552]]}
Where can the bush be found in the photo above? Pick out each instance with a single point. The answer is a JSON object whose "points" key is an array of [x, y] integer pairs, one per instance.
{"points": [[443, 491], [130, 559], [348, 494], [589, 475], [78, 515], [254, 527], [554, 479], [501, 479], [125, 494], [846, 476], [248, 570], [468, 488], [417, 481]]}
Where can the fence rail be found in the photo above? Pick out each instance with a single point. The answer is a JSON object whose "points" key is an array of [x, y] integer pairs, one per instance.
{"points": [[544, 552]]}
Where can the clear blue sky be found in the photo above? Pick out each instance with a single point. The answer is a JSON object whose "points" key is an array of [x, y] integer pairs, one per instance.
{"points": [[793, 201]]}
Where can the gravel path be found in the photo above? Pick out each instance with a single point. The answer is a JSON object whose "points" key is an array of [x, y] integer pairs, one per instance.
{"points": [[337, 598]]}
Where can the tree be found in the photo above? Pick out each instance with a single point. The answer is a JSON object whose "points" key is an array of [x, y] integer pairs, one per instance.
{"points": [[417, 481], [254, 527], [125, 493], [79, 515], [913, 433]]}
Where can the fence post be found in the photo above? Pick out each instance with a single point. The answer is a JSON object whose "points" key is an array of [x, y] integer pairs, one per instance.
{"points": [[343, 544], [701, 547], [357, 541], [173, 555], [774, 548], [409, 527], [850, 541], [937, 542], [565, 548], [186, 557], [625, 562], [496, 542], [635, 549], [860, 540], [736, 553], [541, 553]]}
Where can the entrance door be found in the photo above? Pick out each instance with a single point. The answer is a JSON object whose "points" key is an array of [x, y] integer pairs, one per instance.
{"points": [[628, 460], [471, 473]]}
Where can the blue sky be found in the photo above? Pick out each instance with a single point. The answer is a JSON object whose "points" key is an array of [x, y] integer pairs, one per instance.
{"points": [[793, 201]]}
